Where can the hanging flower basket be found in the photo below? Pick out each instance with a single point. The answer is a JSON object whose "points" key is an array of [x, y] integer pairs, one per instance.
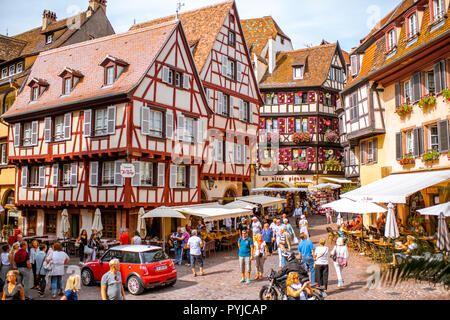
{"points": [[299, 137], [446, 95], [403, 110], [331, 136], [407, 160], [427, 101], [431, 156], [299, 165]]}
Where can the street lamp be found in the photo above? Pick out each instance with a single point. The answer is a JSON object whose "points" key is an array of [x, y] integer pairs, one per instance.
{"points": [[210, 183]]}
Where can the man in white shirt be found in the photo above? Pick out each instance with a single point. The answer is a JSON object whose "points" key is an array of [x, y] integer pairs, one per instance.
{"points": [[195, 245]]}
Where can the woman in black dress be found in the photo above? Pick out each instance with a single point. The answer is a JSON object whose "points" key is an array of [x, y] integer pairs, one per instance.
{"points": [[83, 241]]}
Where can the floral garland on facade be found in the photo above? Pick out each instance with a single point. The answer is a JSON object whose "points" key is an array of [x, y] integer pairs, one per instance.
{"points": [[299, 137], [298, 164]]}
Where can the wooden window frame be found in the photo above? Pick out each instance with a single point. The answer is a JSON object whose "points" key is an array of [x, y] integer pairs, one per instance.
{"points": [[47, 224], [232, 35], [31, 184], [101, 182], [391, 36], [22, 142], [94, 122]]}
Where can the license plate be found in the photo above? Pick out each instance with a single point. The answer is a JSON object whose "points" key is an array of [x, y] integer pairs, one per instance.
{"points": [[160, 268]]}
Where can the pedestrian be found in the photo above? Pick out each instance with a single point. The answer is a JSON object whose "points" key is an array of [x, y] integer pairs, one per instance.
{"points": [[303, 226], [12, 253], [22, 261], [72, 287], [124, 237], [243, 226], [339, 254], [186, 250], [267, 236], [256, 228], [290, 234], [5, 262], [177, 240], [58, 258], [297, 214], [137, 240], [245, 245], [40, 270], [195, 245], [95, 244], [321, 264], [82, 241], [329, 217], [111, 283], [228, 224], [260, 254], [295, 290], [13, 290], [281, 245], [33, 250], [306, 253]]}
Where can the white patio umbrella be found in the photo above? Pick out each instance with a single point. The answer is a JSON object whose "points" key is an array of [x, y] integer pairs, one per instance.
{"points": [[97, 222], [141, 227], [443, 239], [350, 206], [65, 224], [391, 228], [163, 212]]}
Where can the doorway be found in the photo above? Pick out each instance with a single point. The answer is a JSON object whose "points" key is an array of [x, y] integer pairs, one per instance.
{"points": [[75, 223]]}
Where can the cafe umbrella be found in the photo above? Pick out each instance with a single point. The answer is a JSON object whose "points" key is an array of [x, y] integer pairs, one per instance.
{"points": [[391, 228], [65, 224], [97, 222], [141, 226]]}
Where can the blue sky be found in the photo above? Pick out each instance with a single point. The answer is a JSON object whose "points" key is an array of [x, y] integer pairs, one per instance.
{"points": [[306, 22]]}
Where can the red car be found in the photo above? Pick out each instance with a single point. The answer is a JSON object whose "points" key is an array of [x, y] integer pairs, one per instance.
{"points": [[142, 267]]}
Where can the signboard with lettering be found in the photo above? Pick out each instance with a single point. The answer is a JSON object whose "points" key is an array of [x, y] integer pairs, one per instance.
{"points": [[127, 170]]}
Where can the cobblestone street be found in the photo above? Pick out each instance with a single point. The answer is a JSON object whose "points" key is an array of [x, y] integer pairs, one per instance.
{"points": [[221, 281]]}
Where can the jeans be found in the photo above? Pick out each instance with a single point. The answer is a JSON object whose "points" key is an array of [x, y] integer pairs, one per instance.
{"points": [[56, 284], [178, 256], [309, 260]]}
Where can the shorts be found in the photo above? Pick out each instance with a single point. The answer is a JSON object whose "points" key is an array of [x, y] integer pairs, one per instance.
{"points": [[245, 264], [198, 259]]}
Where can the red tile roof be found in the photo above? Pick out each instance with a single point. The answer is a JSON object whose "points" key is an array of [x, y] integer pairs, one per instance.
{"points": [[10, 48], [139, 48]]}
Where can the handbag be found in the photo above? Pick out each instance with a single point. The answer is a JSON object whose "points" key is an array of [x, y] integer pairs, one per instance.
{"points": [[88, 250], [333, 256], [48, 266]]}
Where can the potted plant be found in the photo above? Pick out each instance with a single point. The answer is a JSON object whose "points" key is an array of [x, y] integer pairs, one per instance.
{"points": [[446, 95], [431, 156], [331, 136], [299, 137], [403, 110], [427, 101], [406, 160]]}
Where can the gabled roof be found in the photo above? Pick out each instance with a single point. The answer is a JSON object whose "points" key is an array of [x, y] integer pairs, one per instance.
{"points": [[10, 48], [318, 60], [258, 31], [201, 26], [139, 48]]}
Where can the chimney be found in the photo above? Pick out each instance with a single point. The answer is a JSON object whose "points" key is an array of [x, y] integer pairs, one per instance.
{"points": [[48, 17], [94, 4]]}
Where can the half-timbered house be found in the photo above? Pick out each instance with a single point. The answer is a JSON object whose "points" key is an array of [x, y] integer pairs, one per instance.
{"points": [[88, 108], [220, 52]]}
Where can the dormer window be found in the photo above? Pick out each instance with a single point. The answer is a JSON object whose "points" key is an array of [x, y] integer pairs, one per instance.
{"points": [[37, 86], [438, 9], [113, 69], [391, 40], [412, 25], [67, 86], [12, 69], [354, 65], [49, 38], [35, 93], [70, 79], [4, 72], [19, 67], [298, 72]]}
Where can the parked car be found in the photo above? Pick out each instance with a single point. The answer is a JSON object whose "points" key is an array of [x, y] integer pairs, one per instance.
{"points": [[141, 266]]}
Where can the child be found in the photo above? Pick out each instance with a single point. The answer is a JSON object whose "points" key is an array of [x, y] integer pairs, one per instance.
{"points": [[72, 285]]}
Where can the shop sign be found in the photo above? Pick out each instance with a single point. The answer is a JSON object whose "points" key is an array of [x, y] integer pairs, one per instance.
{"points": [[127, 170], [432, 190]]}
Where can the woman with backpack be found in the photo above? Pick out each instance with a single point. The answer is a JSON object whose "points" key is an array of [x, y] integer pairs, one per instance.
{"points": [[339, 254]]}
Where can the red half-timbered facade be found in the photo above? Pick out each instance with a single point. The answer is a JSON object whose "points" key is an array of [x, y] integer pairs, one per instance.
{"points": [[222, 59], [89, 108]]}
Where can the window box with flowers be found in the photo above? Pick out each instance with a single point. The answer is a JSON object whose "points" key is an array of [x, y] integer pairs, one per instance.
{"points": [[299, 165], [333, 164], [331, 136], [403, 110], [446, 95], [427, 101], [300, 137], [431, 156], [407, 160]]}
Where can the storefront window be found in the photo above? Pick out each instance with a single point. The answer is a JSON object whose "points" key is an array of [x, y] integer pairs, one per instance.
{"points": [[109, 225], [50, 223]]}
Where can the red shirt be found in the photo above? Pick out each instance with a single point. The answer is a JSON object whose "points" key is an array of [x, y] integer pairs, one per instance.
{"points": [[124, 239]]}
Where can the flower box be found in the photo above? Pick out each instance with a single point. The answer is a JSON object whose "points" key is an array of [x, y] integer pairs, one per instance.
{"points": [[333, 164], [431, 156], [427, 101], [331, 136], [407, 160], [446, 95], [299, 165], [300, 137], [403, 110]]}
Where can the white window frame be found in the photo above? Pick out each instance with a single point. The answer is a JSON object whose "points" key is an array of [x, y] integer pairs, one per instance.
{"points": [[412, 25], [35, 95], [432, 135], [101, 123], [19, 67], [4, 73], [156, 128], [27, 133], [146, 173], [66, 175], [67, 86], [12, 70], [189, 129], [409, 142], [231, 70], [181, 177], [111, 171], [407, 91], [110, 75], [298, 72], [392, 39], [59, 128], [49, 38], [438, 9], [33, 174], [3, 153], [429, 74], [231, 36]]}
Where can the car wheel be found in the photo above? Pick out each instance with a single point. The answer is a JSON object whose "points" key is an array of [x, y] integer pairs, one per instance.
{"points": [[87, 277], [134, 286]]}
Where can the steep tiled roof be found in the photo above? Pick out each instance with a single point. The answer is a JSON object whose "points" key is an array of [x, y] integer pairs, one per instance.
{"points": [[139, 48], [10, 48], [258, 31], [318, 61], [201, 26]]}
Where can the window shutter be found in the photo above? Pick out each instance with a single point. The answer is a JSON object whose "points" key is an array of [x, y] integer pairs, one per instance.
{"points": [[250, 113], [193, 181], [24, 177], [437, 77], [48, 129], [236, 154], [421, 142], [73, 174], [374, 150], [219, 102], [363, 152], [246, 155], [42, 177], [224, 66], [165, 74], [17, 134], [169, 124], [186, 81], [241, 109], [398, 146], [67, 126], [416, 142], [443, 136], [34, 133], [443, 75], [136, 180], [397, 94], [145, 120], [87, 123], [111, 120], [416, 87], [118, 179], [180, 127], [161, 174], [94, 174], [239, 72], [173, 176], [55, 172], [199, 130]]}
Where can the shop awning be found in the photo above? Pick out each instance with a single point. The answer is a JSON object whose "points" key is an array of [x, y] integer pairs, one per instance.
{"points": [[338, 180], [345, 205], [436, 210], [397, 187], [163, 212], [213, 214], [264, 201], [256, 190], [238, 204]]}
